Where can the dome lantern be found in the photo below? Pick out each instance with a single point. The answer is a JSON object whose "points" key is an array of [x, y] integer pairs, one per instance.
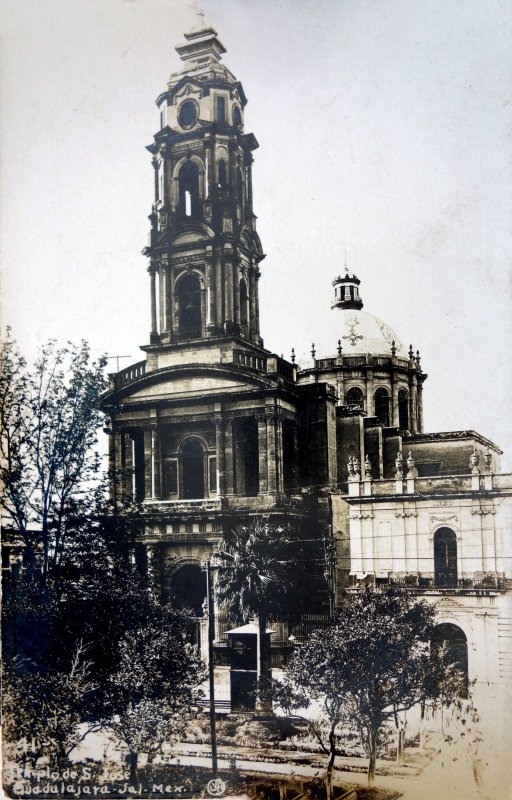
{"points": [[346, 292]]}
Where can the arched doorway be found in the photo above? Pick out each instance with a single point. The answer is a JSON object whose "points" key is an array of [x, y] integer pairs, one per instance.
{"points": [[188, 295], [454, 641], [445, 558], [188, 588], [192, 469]]}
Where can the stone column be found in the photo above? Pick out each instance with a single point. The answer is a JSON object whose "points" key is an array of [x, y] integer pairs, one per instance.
{"points": [[370, 410], [210, 287], [169, 297], [256, 331], [395, 417], [161, 298], [229, 464], [279, 451], [228, 288], [221, 460], [262, 453], [236, 293], [154, 161], [149, 479], [249, 161], [219, 296], [152, 272], [414, 406], [272, 466], [155, 462], [252, 301], [420, 408]]}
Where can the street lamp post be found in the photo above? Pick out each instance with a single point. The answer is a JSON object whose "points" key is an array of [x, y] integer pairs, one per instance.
{"points": [[211, 665], [209, 568]]}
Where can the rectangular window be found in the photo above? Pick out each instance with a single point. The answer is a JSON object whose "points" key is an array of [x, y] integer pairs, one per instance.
{"points": [[171, 477], [221, 110], [213, 474]]}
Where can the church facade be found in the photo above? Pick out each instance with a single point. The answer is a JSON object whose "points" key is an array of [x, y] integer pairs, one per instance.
{"points": [[212, 429]]}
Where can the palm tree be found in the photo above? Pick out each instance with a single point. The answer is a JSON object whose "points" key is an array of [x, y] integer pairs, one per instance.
{"points": [[261, 580]]}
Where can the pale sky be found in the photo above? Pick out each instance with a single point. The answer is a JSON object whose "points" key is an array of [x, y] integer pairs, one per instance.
{"points": [[384, 128]]}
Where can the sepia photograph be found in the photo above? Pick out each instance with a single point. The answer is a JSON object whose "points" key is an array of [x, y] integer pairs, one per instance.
{"points": [[255, 396]]}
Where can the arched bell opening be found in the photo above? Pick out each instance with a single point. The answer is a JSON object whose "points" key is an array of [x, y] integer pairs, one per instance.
{"points": [[445, 558], [453, 641], [222, 182], [188, 187], [192, 469], [188, 296], [382, 406]]}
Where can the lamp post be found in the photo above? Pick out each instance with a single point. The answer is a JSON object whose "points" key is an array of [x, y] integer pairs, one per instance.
{"points": [[211, 665], [209, 568]]}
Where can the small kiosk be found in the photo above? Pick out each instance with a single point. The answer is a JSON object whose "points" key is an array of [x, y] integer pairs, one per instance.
{"points": [[244, 649]]}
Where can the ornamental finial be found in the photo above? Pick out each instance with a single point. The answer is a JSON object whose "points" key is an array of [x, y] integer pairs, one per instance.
{"points": [[393, 348], [411, 353], [399, 465], [474, 460], [313, 351], [340, 349], [487, 459], [293, 355]]}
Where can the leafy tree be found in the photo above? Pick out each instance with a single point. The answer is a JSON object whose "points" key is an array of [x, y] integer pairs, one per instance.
{"points": [[371, 664], [42, 707], [263, 579], [155, 685], [50, 419]]}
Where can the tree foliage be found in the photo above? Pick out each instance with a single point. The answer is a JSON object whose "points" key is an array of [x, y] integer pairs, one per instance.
{"points": [[372, 663], [156, 684], [264, 579], [50, 418], [86, 638]]}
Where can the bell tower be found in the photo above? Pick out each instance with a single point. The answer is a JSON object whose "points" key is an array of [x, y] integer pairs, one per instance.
{"points": [[203, 251]]}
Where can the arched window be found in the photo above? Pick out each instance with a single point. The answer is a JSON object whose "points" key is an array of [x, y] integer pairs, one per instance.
{"points": [[244, 302], [192, 469], [188, 180], [222, 174], [237, 116], [382, 406], [188, 295], [453, 640], [445, 558], [355, 397], [403, 410]]}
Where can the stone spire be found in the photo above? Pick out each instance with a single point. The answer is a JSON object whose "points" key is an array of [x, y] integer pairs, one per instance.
{"points": [[202, 41]]}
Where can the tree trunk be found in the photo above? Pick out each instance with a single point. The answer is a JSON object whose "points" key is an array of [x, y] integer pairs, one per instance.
{"points": [[400, 739], [329, 787], [132, 760], [422, 727], [372, 742]]}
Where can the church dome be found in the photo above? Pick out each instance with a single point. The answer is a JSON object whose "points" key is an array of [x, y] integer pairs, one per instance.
{"points": [[352, 331], [360, 332]]}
